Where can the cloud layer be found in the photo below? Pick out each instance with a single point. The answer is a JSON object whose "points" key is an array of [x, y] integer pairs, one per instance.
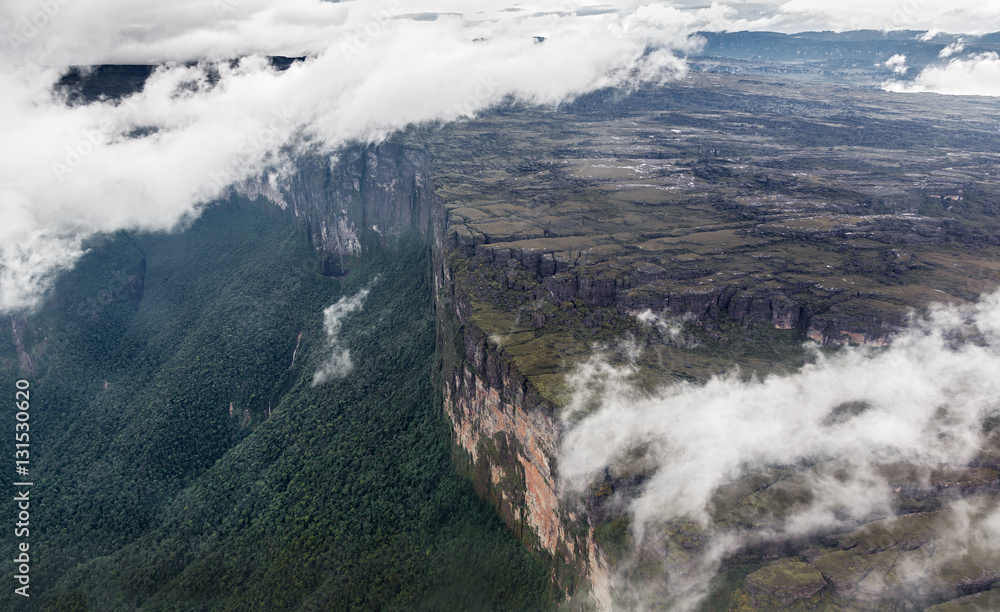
{"points": [[974, 75], [60, 32], [956, 16], [68, 173], [921, 402]]}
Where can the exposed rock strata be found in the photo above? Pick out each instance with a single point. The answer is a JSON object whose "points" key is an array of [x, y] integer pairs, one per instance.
{"points": [[812, 308], [382, 189], [507, 430], [511, 436]]}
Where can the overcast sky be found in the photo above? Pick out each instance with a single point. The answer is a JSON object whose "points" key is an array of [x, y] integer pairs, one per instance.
{"points": [[67, 173], [72, 31]]}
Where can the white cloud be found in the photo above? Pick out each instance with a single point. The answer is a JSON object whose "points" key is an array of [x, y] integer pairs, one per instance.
{"points": [[952, 49], [337, 363], [897, 63], [71, 172], [926, 396], [959, 16], [671, 328], [977, 75]]}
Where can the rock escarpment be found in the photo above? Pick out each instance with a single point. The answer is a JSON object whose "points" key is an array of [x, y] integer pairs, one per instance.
{"points": [[507, 436], [381, 189], [828, 315], [506, 433], [552, 236]]}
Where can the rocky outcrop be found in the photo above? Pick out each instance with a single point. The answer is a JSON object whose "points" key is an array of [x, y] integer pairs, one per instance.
{"points": [[379, 190], [829, 316], [509, 435], [917, 557], [784, 583], [978, 602]]}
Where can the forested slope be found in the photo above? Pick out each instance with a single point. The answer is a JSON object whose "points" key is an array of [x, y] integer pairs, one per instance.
{"points": [[183, 461]]}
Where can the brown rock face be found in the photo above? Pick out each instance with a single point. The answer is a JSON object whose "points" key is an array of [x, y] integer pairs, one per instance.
{"points": [[517, 446], [511, 437]]}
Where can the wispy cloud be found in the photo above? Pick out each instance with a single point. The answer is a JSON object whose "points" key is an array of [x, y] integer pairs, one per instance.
{"points": [[922, 402], [897, 63], [952, 49], [337, 362]]}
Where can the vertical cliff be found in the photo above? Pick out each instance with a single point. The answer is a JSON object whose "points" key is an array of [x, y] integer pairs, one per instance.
{"points": [[506, 434], [507, 437], [380, 189]]}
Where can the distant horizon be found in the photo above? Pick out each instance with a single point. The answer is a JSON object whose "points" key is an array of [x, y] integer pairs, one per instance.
{"points": [[933, 39]]}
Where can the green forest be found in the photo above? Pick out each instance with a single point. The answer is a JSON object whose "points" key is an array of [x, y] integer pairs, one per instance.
{"points": [[182, 460]]}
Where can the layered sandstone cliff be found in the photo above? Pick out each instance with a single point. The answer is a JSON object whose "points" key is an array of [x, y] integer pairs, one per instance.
{"points": [[506, 434], [508, 437], [514, 312]]}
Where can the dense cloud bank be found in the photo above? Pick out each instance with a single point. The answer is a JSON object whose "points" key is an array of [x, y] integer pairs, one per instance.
{"points": [[152, 160], [373, 66], [971, 75]]}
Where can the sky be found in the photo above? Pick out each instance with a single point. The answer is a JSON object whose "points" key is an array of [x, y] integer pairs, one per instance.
{"points": [[68, 173], [108, 31]]}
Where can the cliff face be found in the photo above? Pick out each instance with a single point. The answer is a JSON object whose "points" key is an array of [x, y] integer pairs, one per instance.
{"points": [[817, 310], [384, 189], [508, 437], [506, 434]]}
